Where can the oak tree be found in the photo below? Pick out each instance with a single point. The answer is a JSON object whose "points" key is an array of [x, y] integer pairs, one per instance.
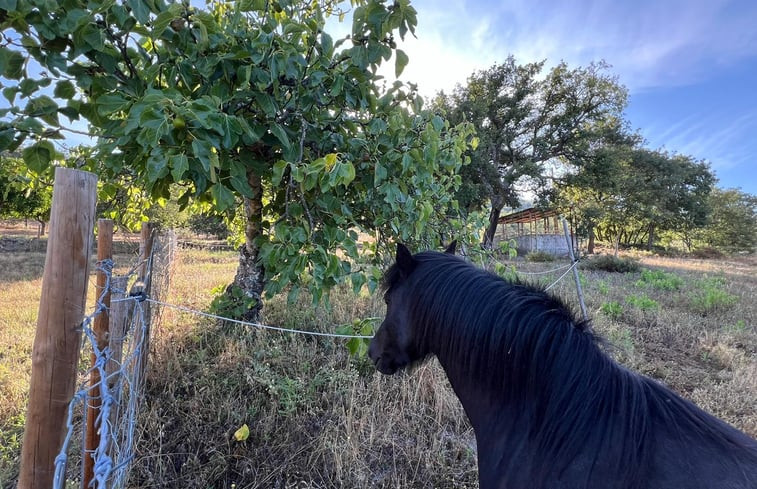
{"points": [[526, 118]]}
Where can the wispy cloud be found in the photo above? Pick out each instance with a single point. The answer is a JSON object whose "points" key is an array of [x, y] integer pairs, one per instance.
{"points": [[649, 43], [723, 146]]}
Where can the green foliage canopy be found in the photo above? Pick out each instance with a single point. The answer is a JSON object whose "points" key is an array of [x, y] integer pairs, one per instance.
{"points": [[625, 193], [526, 119], [249, 100], [732, 223], [21, 195]]}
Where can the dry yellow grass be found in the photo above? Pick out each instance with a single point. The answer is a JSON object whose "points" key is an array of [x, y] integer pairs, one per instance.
{"points": [[318, 418]]}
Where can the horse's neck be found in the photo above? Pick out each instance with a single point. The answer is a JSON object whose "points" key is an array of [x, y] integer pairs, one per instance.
{"points": [[502, 434], [486, 410]]}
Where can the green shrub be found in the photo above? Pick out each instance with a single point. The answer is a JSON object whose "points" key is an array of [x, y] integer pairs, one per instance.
{"points": [[540, 257], [643, 302], [659, 280], [710, 296], [603, 287], [612, 309], [610, 263]]}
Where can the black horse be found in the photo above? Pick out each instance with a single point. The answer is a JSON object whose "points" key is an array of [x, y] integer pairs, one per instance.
{"points": [[549, 408]]}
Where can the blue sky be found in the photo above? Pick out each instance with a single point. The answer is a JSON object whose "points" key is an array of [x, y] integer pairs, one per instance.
{"points": [[690, 65]]}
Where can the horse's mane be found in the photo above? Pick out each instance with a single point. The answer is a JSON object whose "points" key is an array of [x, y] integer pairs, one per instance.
{"points": [[525, 344]]}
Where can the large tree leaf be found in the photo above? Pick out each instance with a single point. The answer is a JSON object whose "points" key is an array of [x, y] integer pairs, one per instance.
{"points": [[11, 63], [39, 156]]}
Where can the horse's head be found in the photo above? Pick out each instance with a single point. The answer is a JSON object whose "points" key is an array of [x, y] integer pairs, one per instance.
{"points": [[395, 346]]}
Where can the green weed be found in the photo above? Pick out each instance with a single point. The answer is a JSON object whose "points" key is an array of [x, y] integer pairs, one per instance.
{"points": [[622, 339], [612, 309], [657, 279], [739, 327], [603, 287], [710, 296], [643, 302]]}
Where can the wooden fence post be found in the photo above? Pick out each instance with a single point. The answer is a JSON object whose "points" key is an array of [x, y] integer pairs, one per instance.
{"points": [[101, 330], [145, 276], [120, 319], [55, 354]]}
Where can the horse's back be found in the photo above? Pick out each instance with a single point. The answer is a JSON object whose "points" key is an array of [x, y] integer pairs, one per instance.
{"points": [[721, 458]]}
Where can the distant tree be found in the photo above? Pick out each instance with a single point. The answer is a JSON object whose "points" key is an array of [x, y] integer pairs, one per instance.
{"points": [[524, 120], [207, 223], [628, 194], [732, 225], [593, 188], [670, 191], [23, 197], [250, 100]]}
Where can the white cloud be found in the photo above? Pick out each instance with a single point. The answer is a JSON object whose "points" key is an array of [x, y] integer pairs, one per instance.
{"points": [[649, 43]]}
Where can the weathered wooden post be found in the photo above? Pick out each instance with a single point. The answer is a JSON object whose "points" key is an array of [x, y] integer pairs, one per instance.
{"points": [[120, 318], [55, 354], [101, 330], [145, 277]]}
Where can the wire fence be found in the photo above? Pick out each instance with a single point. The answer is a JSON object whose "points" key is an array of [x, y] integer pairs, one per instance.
{"points": [[120, 367], [136, 305]]}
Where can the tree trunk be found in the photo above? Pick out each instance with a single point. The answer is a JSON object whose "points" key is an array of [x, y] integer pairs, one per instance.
{"points": [[250, 276], [650, 240], [497, 204], [590, 246]]}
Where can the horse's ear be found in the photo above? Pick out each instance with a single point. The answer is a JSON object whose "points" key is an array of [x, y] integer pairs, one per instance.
{"points": [[405, 260], [451, 248]]}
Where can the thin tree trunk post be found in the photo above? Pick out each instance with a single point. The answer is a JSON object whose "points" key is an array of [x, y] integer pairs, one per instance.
{"points": [[569, 240], [145, 250], [101, 330], [145, 276], [55, 354]]}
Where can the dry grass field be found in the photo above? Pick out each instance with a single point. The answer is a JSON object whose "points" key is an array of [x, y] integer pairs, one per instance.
{"points": [[319, 418]]}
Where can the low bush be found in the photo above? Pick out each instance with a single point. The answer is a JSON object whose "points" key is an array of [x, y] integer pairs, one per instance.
{"points": [[657, 279], [709, 296], [643, 302], [610, 263], [540, 257], [707, 253]]}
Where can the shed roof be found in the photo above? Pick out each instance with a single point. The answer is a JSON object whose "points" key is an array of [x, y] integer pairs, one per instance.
{"points": [[527, 215]]}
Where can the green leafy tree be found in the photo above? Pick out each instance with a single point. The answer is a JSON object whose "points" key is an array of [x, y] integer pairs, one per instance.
{"points": [[628, 194], [21, 196], [732, 225], [248, 100], [526, 119], [592, 189], [670, 192]]}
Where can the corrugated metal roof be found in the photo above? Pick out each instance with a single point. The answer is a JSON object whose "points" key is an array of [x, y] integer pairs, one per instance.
{"points": [[527, 215]]}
